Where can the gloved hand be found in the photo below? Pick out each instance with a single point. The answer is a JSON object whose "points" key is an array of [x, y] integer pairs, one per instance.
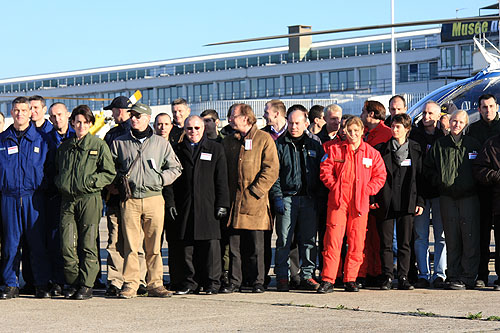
{"points": [[173, 212], [220, 213], [279, 206]]}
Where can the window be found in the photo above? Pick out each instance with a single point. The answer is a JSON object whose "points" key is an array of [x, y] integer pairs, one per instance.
{"points": [[447, 57], [403, 45], [337, 52], [324, 54], [362, 49], [376, 48], [199, 67], [349, 51], [367, 77], [466, 55]]}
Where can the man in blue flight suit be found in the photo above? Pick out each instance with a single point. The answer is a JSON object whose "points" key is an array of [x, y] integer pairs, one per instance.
{"points": [[24, 157]]}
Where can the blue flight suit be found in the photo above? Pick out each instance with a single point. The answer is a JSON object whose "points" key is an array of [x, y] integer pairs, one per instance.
{"points": [[24, 164], [53, 216], [46, 127]]}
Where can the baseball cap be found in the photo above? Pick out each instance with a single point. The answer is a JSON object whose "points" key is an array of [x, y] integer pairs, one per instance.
{"points": [[120, 102], [141, 108]]}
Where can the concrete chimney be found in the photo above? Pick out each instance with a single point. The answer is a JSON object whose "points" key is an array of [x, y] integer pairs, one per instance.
{"points": [[299, 45]]}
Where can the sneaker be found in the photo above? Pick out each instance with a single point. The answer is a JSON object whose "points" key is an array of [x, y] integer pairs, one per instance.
{"points": [[351, 286], [127, 293], [325, 287], [387, 284], [479, 284], [160, 291], [404, 284], [112, 291], [282, 285], [439, 283], [455, 285], [309, 284], [422, 283]]}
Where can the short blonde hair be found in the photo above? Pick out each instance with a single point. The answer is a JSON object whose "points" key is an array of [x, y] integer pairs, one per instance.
{"points": [[354, 121], [459, 112]]}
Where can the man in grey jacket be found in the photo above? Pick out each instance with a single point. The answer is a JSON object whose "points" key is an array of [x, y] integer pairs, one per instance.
{"points": [[155, 166]]}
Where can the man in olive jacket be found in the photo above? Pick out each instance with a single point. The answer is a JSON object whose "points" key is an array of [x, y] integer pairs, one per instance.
{"points": [[84, 166], [448, 166], [155, 166], [253, 167]]}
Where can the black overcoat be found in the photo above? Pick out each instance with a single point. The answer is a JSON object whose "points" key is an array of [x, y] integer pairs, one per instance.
{"points": [[410, 193], [200, 189]]}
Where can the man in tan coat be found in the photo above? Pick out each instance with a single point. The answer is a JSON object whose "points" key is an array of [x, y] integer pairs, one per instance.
{"points": [[253, 168]]}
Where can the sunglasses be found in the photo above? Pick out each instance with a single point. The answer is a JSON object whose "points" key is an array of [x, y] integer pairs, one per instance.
{"points": [[196, 128], [136, 115]]}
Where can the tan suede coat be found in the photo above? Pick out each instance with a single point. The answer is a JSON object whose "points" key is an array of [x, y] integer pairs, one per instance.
{"points": [[251, 173]]}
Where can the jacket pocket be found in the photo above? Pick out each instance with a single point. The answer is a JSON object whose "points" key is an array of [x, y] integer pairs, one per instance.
{"points": [[250, 205]]}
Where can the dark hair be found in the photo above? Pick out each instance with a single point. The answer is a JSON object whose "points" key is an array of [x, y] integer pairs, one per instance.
{"points": [[2, 115], [403, 119], [485, 97], [294, 107], [20, 100], [161, 114], [85, 111], [278, 105], [210, 112], [246, 110], [377, 108], [315, 112], [179, 101], [397, 96], [37, 98]]}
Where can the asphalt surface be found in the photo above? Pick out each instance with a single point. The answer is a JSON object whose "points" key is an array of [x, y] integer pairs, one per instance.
{"points": [[368, 311]]}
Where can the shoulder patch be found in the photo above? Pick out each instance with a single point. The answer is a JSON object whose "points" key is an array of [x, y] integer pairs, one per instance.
{"points": [[93, 152], [324, 157]]}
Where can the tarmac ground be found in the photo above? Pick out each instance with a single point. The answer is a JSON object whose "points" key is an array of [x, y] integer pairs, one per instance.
{"points": [[368, 310]]}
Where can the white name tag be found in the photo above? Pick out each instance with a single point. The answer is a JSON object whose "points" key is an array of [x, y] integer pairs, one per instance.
{"points": [[312, 153], [367, 162], [36, 150], [12, 150], [406, 162], [248, 144], [206, 156], [472, 156]]}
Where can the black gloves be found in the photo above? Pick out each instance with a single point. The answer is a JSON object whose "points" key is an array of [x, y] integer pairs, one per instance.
{"points": [[279, 206], [220, 213]]}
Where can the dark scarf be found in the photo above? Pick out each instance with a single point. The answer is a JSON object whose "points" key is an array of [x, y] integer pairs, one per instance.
{"points": [[144, 134], [399, 152]]}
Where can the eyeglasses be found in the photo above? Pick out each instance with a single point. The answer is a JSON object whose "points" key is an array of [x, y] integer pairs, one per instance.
{"points": [[234, 116], [196, 128], [136, 115]]}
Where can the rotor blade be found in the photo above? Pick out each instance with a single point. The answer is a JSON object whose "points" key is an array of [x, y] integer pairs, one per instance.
{"points": [[369, 27], [73, 98]]}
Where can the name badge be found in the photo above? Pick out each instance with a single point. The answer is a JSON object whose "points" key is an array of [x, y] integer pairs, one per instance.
{"points": [[12, 150], [248, 144], [93, 152], [36, 149], [472, 156], [367, 162], [205, 156], [311, 153], [406, 162]]}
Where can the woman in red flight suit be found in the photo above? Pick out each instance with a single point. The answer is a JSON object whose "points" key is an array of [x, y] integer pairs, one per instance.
{"points": [[352, 170]]}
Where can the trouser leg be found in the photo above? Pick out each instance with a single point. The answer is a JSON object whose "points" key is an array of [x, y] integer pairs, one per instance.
{"points": [[210, 262], [386, 230], [404, 229], [188, 248], [131, 211], [306, 231], [115, 246], [439, 241], [69, 242], [469, 220], [484, 234], [12, 232], [450, 218], [235, 272], [285, 227], [356, 234], [88, 213], [54, 240], [253, 242], [496, 222], [334, 235], [153, 216], [421, 229]]}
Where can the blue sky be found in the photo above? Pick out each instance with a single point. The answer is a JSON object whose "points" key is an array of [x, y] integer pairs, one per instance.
{"points": [[51, 36]]}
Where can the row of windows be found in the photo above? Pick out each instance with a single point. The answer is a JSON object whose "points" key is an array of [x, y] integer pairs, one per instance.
{"points": [[418, 71], [227, 64], [448, 56]]}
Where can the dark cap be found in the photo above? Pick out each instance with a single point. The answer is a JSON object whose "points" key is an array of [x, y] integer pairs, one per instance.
{"points": [[140, 108], [120, 102]]}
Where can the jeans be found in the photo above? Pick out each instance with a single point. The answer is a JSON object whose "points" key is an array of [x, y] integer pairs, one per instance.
{"points": [[421, 227], [300, 213]]}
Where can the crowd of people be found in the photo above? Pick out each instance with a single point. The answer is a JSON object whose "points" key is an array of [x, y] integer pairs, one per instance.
{"points": [[350, 197]]}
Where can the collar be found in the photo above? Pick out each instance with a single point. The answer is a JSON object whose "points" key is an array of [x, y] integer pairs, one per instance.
{"points": [[279, 133]]}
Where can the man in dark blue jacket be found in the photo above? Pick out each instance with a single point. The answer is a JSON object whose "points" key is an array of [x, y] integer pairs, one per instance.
{"points": [[24, 159], [294, 195]]}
